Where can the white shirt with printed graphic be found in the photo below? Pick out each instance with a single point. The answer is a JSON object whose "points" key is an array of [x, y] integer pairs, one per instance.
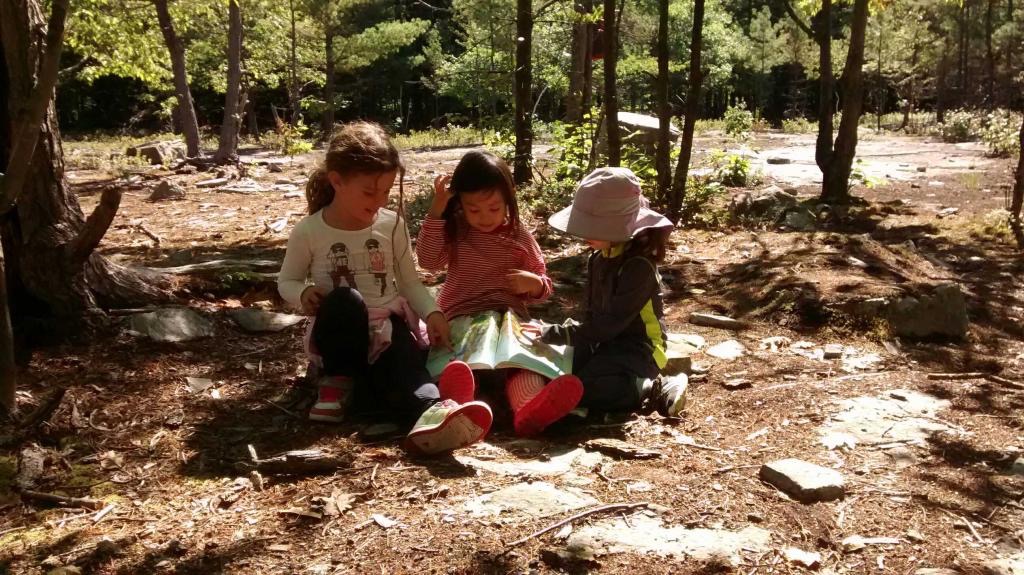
{"points": [[365, 260]]}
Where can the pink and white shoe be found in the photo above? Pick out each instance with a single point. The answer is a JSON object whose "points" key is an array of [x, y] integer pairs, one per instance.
{"points": [[447, 426], [457, 383]]}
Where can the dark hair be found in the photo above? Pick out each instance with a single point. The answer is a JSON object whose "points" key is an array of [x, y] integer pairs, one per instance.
{"points": [[478, 171], [649, 243], [356, 148]]}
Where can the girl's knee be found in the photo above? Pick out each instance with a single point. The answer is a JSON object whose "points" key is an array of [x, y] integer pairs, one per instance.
{"points": [[343, 303]]}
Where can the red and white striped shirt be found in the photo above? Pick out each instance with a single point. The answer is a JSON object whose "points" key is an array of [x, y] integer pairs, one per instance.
{"points": [[477, 265]]}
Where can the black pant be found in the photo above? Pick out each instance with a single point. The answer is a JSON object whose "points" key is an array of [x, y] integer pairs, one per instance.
{"points": [[609, 379], [397, 380]]}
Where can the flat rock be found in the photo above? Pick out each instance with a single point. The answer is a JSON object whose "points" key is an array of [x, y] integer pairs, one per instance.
{"points": [[170, 325], [1011, 565], [546, 462], [620, 449], [648, 535], [212, 183], [833, 351], [720, 321], [535, 499], [894, 416], [257, 320], [164, 152], [1018, 467], [678, 351], [167, 191], [729, 349], [804, 481]]}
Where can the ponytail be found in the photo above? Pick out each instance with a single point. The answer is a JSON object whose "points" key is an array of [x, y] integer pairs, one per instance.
{"points": [[319, 192]]}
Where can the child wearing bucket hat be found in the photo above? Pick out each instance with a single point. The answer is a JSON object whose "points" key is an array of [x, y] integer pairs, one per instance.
{"points": [[620, 344]]}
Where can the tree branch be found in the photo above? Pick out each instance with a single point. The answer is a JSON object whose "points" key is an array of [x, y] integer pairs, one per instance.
{"points": [[95, 227], [26, 127], [544, 7], [796, 19]]}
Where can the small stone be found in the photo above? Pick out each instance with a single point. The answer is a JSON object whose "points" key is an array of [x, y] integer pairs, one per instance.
{"points": [[805, 558], [66, 570], [275, 168], [258, 321], [804, 481], [729, 349], [936, 571], [778, 160], [170, 325], [167, 191], [720, 321], [833, 351], [915, 536], [1018, 467], [736, 383], [213, 183], [922, 169], [946, 212], [755, 518], [915, 186]]}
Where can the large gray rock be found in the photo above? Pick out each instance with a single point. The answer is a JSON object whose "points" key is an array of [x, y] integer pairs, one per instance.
{"points": [[942, 313], [640, 130], [719, 321], [537, 499], [800, 219], [159, 152], [767, 204], [1012, 565], [258, 321], [170, 325], [804, 481], [167, 191]]}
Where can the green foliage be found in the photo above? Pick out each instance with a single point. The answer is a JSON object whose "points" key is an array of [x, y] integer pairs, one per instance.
{"points": [[289, 139], [859, 176], [799, 126], [702, 205], [446, 137], [501, 143], [994, 226], [739, 121], [732, 170], [1001, 133], [960, 126]]}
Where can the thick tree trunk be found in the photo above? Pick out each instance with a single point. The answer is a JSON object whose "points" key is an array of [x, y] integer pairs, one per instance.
{"points": [[189, 124], [522, 164], [663, 159], [1018, 194], [611, 102], [990, 58], [696, 78], [8, 370], [47, 242], [579, 60], [293, 67], [836, 179], [228, 149], [941, 91], [328, 126]]}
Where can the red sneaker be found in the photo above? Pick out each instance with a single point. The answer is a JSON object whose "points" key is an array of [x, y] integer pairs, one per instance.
{"points": [[333, 396], [457, 383], [554, 402], [446, 426]]}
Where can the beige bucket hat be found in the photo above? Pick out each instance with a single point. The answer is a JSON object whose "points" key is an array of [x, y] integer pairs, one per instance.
{"points": [[608, 205]]}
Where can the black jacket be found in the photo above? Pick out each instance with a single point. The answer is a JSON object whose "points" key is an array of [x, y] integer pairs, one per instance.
{"points": [[624, 312]]}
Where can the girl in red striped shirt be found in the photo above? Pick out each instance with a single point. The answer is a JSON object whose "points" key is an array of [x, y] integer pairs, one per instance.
{"points": [[474, 232]]}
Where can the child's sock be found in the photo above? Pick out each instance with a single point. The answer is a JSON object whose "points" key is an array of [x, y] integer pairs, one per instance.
{"points": [[521, 387], [536, 405]]}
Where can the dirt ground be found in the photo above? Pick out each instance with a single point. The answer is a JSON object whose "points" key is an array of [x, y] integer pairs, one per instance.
{"points": [[170, 461]]}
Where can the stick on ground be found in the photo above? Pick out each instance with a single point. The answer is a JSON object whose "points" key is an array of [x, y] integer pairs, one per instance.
{"points": [[82, 502], [581, 515]]}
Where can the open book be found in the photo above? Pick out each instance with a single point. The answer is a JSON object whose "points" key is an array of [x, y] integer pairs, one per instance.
{"points": [[495, 340]]}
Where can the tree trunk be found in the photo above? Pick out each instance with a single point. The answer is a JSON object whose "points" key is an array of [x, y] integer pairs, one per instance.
{"points": [[696, 77], [1018, 193], [293, 68], [579, 59], [611, 102], [328, 125], [522, 163], [836, 179], [47, 242], [990, 58], [8, 370], [823, 145], [663, 160], [189, 124], [227, 152], [940, 83]]}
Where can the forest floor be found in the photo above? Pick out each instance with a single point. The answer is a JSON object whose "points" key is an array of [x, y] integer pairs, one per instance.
{"points": [[933, 468]]}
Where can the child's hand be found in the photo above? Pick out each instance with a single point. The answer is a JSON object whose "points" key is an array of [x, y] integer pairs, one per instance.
{"points": [[442, 195], [522, 282], [311, 298], [439, 331]]}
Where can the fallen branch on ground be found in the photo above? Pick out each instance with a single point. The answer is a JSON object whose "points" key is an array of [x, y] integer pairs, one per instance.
{"points": [[1003, 381], [581, 515], [82, 502], [301, 462], [954, 376]]}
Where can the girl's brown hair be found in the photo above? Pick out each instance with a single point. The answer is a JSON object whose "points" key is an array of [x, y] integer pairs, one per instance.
{"points": [[356, 148], [478, 171], [649, 243]]}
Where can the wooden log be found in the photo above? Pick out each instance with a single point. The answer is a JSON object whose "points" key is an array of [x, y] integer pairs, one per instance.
{"points": [[82, 502]]}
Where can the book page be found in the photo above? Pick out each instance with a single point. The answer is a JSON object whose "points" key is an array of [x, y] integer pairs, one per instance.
{"points": [[474, 339], [517, 349]]}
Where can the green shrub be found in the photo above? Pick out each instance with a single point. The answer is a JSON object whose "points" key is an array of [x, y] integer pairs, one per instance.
{"points": [[739, 121], [799, 126], [701, 205], [732, 170], [501, 143], [859, 176], [1001, 133], [449, 136], [960, 126], [289, 139]]}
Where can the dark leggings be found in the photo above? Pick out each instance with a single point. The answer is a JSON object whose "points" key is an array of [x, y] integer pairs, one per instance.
{"points": [[608, 382], [398, 380]]}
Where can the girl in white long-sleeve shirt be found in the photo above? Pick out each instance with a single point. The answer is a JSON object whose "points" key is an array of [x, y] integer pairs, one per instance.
{"points": [[349, 264]]}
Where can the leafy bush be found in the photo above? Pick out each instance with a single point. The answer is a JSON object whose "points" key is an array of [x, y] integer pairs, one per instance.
{"points": [[449, 136], [501, 143], [960, 126], [859, 176], [290, 139], [732, 170], [799, 126], [739, 121], [699, 205], [1001, 133]]}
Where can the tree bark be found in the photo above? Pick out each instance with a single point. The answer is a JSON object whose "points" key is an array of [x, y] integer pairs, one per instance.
{"points": [[836, 179], [293, 68], [941, 79], [189, 124], [826, 99], [611, 102], [522, 163], [1018, 194], [696, 78], [579, 57], [227, 152], [990, 58], [8, 369], [663, 159], [328, 122]]}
